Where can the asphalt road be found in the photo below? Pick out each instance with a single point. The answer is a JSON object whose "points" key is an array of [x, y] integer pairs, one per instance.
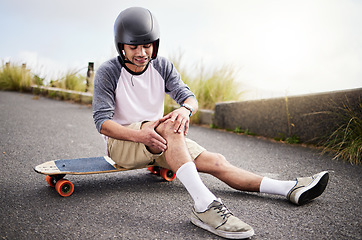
{"points": [[139, 205]]}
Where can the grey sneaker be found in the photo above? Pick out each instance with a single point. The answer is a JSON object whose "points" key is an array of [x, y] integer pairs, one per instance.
{"points": [[220, 221], [308, 188]]}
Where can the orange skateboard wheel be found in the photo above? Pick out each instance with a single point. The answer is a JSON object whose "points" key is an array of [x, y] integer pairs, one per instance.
{"points": [[154, 170], [53, 179], [64, 187], [151, 170], [50, 181], [167, 174]]}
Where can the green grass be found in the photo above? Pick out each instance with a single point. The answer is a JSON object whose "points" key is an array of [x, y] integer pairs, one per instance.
{"points": [[291, 140], [217, 85], [15, 77], [72, 80], [243, 131], [346, 141]]}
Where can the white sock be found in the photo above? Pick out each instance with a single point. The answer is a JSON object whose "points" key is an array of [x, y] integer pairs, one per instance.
{"points": [[190, 178], [277, 187]]}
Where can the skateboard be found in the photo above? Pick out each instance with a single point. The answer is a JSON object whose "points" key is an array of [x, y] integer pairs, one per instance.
{"points": [[56, 170]]}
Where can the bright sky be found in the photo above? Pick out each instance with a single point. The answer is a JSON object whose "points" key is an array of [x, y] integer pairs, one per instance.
{"points": [[282, 47]]}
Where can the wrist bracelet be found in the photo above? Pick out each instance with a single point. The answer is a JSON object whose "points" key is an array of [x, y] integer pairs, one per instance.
{"points": [[188, 107]]}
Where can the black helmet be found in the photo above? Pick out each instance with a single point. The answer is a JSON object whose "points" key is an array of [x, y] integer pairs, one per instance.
{"points": [[136, 26]]}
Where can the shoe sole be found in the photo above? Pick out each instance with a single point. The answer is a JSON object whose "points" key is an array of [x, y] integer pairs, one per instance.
{"points": [[224, 234], [315, 189]]}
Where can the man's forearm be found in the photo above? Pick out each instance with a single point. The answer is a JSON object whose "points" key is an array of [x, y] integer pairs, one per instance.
{"points": [[117, 131]]}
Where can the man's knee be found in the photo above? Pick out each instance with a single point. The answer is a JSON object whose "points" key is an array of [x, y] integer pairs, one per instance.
{"points": [[220, 161], [213, 162], [167, 128]]}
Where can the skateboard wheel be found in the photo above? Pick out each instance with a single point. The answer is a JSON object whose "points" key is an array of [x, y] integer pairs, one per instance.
{"points": [[167, 174], [64, 187], [154, 170], [51, 181], [150, 169]]}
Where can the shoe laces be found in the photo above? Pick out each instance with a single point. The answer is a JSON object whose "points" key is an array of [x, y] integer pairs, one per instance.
{"points": [[223, 211]]}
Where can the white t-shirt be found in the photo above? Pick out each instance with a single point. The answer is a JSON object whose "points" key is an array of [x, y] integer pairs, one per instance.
{"points": [[139, 97]]}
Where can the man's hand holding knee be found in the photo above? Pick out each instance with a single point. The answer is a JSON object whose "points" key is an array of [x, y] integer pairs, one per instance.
{"points": [[181, 118], [151, 138]]}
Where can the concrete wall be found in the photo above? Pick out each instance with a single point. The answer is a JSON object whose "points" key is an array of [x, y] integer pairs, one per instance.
{"points": [[308, 117], [62, 94]]}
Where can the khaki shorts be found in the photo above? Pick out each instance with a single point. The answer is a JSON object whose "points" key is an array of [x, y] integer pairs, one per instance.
{"points": [[133, 155]]}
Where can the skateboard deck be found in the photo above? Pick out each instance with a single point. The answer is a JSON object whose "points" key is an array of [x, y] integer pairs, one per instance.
{"points": [[57, 169]]}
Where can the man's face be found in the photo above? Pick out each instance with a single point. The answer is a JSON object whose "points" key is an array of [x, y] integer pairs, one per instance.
{"points": [[139, 55]]}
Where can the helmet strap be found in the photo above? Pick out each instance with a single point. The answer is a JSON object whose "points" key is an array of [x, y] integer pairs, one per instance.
{"points": [[155, 48]]}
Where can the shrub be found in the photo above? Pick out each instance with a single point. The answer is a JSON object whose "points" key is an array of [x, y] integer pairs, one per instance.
{"points": [[346, 141], [15, 78], [72, 81], [219, 85]]}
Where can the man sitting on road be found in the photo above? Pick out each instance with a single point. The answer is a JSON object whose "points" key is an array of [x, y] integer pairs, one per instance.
{"points": [[128, 109]]}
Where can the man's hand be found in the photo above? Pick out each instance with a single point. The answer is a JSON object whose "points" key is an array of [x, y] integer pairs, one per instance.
{"points": [[151, 138], [181, 116]]}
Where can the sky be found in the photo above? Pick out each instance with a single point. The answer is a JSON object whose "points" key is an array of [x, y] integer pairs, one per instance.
{"points": [[278, 47]]}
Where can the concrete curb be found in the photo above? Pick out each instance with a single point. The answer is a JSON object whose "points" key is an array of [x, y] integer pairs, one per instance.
{"points": [[63, 94]]}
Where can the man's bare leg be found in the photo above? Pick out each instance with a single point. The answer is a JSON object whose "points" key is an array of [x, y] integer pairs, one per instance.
{"points": [[212, 163], [215, 164], [237, 178]]}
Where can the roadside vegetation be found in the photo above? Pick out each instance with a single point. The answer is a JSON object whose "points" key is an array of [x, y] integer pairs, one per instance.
{"points": [[16, 78], [346, 141], [209, 86], [72, 80]]}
